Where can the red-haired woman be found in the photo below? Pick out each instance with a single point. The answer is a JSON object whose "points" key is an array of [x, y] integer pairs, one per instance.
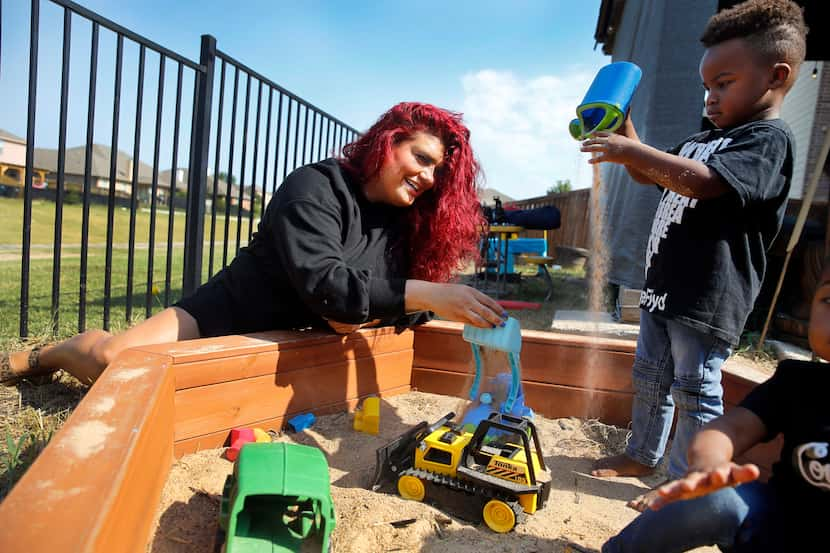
{"points": [[369, 238]]}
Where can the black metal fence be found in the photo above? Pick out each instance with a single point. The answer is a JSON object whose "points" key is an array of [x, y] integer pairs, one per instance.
{"points": [[249, 155]]}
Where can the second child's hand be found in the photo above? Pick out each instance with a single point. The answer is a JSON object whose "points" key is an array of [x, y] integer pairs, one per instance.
{"points": [[697, 483]]}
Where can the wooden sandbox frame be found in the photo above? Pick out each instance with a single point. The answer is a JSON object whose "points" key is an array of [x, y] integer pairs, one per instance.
{"points": [[97, 485]]}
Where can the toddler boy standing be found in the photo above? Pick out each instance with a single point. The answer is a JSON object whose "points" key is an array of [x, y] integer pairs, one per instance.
{"points": [[724, 194]]}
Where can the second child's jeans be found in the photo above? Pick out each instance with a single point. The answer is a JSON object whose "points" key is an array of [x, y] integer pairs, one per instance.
{"points": [[742, 519], [675, 366]]}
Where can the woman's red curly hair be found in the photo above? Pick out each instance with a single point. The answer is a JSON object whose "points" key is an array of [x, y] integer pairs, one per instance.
{"points": [[444, 222]]}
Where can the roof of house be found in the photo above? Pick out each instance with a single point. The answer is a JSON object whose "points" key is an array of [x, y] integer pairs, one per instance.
{"points": [[76, 164], [6, 135]]}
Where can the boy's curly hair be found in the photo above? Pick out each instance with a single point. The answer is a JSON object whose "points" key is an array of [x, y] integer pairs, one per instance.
{"points": [[774, 28]]}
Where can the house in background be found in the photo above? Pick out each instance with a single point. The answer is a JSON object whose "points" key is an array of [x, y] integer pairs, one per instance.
{"points": [[807, 111], [13, 163], [100, 172], [12, 171], [182, 179]]}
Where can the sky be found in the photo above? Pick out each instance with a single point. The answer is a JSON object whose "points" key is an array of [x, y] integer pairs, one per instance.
{"points": [[516, 69]]}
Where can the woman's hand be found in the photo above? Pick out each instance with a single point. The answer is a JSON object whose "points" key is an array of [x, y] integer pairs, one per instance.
{"points": [[454, 302], [615, 148], [346, 328], [701, 482]]}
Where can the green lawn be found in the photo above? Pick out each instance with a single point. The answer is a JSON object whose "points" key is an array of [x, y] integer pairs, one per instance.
{"points": [[40, 272], [40, 290], [43, 224]]}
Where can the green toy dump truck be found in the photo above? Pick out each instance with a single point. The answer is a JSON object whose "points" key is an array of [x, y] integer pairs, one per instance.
{"points": [[277, 500]]}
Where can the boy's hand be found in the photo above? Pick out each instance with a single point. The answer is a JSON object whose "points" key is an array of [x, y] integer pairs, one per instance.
{"points": [[627, 127], [701, 482], [615, 148]]}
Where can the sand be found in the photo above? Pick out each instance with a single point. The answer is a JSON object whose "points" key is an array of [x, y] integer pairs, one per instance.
{"points": [[581, 514]]}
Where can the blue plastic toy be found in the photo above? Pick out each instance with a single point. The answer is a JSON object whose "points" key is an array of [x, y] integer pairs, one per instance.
{"points": [[507, 338], [485, 404], [607, 100], [301, 422]]}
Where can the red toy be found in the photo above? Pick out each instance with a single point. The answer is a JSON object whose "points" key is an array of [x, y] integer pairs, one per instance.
{"points": [[514, 304], [239, 437]]}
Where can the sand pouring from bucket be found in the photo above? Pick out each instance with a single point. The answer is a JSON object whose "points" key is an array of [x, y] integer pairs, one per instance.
{"points": [[607, 100], [507, 338]]}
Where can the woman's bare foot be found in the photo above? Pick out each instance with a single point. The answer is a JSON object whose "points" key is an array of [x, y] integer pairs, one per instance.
{"points": [[619, 465], [644, 501], [21, 364]]}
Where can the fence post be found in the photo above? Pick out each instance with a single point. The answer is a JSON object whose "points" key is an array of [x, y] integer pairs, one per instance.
{"points": [[197, 183]]}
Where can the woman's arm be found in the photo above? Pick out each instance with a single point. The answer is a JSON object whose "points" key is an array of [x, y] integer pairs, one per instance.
{"points": [[307, 229], [454, 302]]}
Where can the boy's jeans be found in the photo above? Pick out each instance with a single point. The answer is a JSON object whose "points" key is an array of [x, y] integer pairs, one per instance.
{"points": [[675, 365], [741, 519]]}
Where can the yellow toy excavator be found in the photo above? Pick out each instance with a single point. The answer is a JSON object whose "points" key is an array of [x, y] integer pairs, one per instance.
{"points": [[501, 463]]}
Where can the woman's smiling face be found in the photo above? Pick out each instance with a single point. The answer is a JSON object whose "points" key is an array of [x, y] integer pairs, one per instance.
{"points": [[408, 171]]}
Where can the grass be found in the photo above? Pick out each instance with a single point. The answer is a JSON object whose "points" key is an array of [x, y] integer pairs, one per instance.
{"points": [[30, 414], [41, 264], [40, 291], [570, 291], [43, 224]]}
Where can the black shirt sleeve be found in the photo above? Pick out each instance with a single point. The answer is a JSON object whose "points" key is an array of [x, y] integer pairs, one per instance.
{"points": [[751, 163], [767, 401], [307, 234]]}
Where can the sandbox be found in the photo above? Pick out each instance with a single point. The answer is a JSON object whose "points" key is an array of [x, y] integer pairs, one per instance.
{"points": [[581, 511], [97, 486]]}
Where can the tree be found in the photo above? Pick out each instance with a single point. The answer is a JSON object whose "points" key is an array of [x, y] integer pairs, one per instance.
{"points": [[224, 176], [560, 187]]}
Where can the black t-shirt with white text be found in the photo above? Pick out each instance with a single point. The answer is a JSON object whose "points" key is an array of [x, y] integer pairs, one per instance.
{"points": [[793, 402], [706, 258]]}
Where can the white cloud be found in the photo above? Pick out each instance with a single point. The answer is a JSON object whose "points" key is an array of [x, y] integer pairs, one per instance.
{"points": [[519, 129]]}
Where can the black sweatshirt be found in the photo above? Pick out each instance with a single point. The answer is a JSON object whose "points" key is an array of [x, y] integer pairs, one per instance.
{"points": [[322, 251]]}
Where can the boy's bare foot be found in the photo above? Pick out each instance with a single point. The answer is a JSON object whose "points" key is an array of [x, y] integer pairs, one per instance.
{"points": [[619, 465], [644, 501]]}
